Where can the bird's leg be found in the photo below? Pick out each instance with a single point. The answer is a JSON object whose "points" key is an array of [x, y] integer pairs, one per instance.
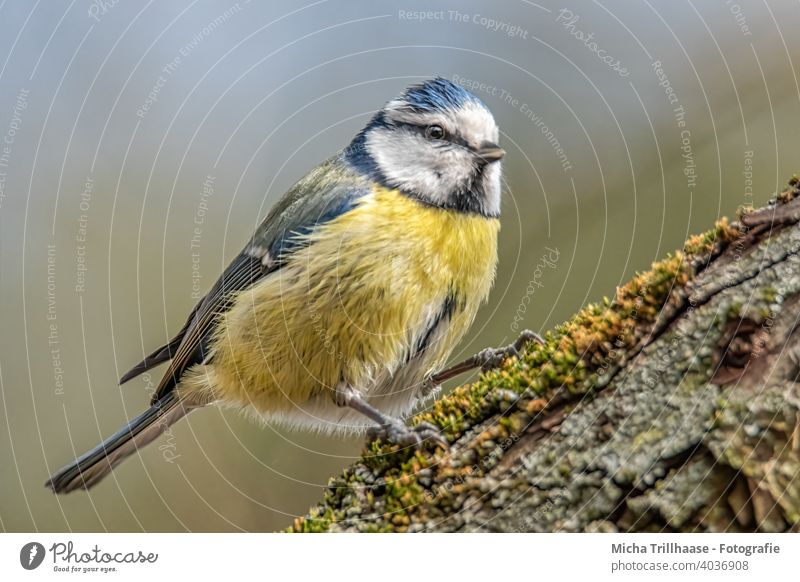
{"points": [[486, 359], [388, 428]]}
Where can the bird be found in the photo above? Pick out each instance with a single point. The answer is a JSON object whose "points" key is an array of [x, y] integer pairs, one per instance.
{"points": [[342, 309]]}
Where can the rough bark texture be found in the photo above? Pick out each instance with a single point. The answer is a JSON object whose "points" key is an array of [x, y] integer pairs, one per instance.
{"points": [[673, 407]]}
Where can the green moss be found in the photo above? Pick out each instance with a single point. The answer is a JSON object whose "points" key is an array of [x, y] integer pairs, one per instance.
{"points": [[403, 490], [314, 522], [721, 234], [769, 294], [647, 438]]}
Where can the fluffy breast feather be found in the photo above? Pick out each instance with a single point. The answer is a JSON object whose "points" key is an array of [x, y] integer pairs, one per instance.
{"points": [[352, 304]]}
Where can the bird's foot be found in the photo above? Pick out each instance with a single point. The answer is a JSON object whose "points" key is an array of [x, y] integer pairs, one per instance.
{"points": [[387, 427], [491, 358], [397, 432]]}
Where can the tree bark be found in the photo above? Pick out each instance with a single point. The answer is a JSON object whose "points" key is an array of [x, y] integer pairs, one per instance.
{"points": [[673, 407]]}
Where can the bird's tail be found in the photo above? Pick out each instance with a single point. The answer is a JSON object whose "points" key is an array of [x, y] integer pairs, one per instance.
{"points": [[91, 467]]}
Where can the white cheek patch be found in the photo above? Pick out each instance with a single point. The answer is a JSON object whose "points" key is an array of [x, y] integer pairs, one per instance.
{"points": [[415, 165]]}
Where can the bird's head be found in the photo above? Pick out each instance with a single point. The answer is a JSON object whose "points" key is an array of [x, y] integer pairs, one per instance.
{"points": [[436, 142]]}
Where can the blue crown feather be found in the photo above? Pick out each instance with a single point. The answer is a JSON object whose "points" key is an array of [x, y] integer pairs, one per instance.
{"points": [[436, 95]]}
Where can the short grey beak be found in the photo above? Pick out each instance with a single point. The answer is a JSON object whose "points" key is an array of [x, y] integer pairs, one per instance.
{"points": [[491, 153]]}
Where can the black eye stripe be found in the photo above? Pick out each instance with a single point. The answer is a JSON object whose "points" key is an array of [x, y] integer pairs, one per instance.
{"points": [[420, 129], [459, 141], [448, 137]]}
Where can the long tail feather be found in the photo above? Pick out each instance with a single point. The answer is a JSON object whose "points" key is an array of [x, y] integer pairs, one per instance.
{"points": [[88, 469]]}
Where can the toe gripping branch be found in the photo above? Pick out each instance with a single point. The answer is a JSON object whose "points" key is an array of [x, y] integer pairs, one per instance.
{"points": [[389, 428], [488, 358]]}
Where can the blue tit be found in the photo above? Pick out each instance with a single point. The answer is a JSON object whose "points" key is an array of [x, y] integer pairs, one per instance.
{"points": [[342, 309]]}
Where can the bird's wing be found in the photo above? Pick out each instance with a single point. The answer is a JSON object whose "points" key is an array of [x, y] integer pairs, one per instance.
{"points": [[161, 354], [328, 191]]}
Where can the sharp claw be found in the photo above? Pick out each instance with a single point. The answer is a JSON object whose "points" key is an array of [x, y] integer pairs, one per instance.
{"points": [[436, 437], [374, 433], [492, 357], [398, 433], [428, 431], [528, 336]]}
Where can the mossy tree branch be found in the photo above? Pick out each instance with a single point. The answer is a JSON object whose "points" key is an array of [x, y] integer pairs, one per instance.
{"points": [[673, 407]]}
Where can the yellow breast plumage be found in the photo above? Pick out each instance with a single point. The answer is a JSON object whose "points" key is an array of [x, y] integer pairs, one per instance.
{"points": [[353, 305]]}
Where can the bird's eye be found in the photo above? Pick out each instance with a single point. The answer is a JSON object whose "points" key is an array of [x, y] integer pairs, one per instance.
{"points": [[434, 132]]}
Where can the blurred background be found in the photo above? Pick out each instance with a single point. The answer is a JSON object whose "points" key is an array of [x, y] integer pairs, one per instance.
{"points": [[140, 143]]}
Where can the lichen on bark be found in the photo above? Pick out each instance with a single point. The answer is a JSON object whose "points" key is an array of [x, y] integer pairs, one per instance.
{"points": [[673, 406]]}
